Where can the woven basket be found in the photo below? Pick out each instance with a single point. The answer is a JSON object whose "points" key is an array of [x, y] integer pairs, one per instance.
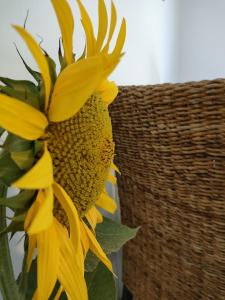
{"points": [[170, 148]]}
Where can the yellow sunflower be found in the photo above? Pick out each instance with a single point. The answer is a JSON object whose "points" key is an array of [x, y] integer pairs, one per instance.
{"points": [[75, 160]]}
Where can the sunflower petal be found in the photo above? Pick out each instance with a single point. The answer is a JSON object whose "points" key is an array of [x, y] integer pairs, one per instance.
{"points": [[112, 26], [71, 212], [93, 216], [70, 272], [40, 59], [48, 260], [106, 203], [21, 119], [115, 168], [102, 24], [84, 239], [96, 248], [120, 40], [111, 178], [58, 294], [40, 215], [66, 23], [108, 91], [74, 86], [112, 60], [89, 31], [39, 176]]}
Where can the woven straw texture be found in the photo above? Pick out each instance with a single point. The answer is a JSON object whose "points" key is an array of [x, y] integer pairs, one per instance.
{"points": [[170, 148]]}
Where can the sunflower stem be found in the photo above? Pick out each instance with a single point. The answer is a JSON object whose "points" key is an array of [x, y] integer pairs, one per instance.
{"points": [[8, 286]]}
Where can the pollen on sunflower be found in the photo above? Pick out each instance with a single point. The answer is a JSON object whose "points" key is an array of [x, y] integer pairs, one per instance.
{"points": [[82, 149]]}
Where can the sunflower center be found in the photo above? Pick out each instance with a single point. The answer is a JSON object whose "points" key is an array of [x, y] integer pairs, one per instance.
{"points": [[82, 149]]}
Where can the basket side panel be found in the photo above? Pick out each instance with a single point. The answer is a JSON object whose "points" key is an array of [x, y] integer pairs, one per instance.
{"points": [[170, 148]]}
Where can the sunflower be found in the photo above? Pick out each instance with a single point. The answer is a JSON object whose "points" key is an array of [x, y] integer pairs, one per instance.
{"points": [[71, 124]]}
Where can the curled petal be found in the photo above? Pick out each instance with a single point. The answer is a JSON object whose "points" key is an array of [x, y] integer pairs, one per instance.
{"points": [[108, 91], [21, 119], [94, 217], [39, 176], [96, 248], [40, 215], [71, 212], [106, 203]]}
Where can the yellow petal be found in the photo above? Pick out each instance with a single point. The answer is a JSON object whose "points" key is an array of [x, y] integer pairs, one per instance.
{"points": [[84, 239], [21, 119], [58, 294], [74, 86], [107, 203], [40, 59], [102, 24], [48, 260], [112, 60], [120, 40], [112, 26], [111, 179], [108, 91], [39, 176], [88, 28], [70, 272], [115, 168], [40, 215], [93, 216], [71, 211], [96, 248], [66, 23], [31, 246]]}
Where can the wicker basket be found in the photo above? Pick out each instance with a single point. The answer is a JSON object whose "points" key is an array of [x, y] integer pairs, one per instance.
{"points": [[170, 147]]}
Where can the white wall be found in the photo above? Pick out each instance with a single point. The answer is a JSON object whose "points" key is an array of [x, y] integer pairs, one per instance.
{"points": [[148, 46], [201, 40]]}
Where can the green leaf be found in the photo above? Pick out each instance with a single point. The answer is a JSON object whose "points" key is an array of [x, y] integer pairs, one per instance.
{"points": [[13, 143], [61, 58], [13, 227], [8, 286], [9, 171], [38, 146], [24, 90], [23, 159], [112, 235], [19, 85], [31, 98], [22, 200], [22, 279], [101, 284], [32, 280], [35, 74], [91, 262], [52, 67], [19, 217]]}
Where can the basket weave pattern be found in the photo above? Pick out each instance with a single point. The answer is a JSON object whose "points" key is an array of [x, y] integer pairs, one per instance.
{"points": [[170, 148]]}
